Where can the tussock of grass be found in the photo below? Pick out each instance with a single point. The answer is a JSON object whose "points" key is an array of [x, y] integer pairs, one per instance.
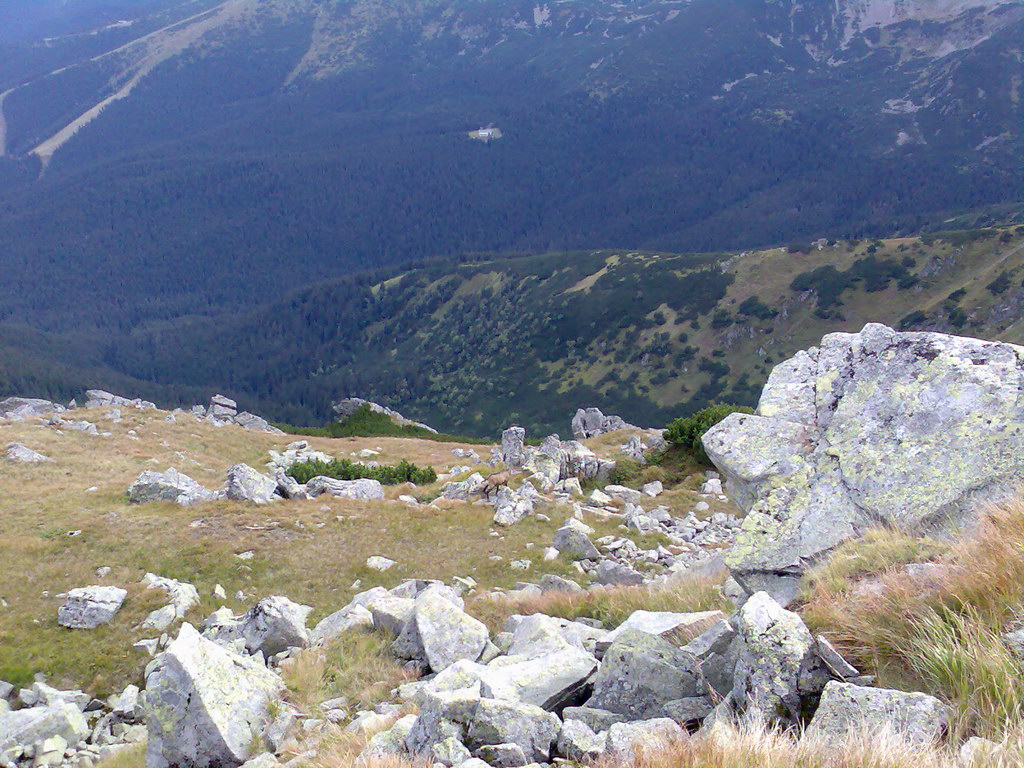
{"points": [[129, 757], [879, 550], [358, 665], [755, 746], [611, 606], [942, 635]]}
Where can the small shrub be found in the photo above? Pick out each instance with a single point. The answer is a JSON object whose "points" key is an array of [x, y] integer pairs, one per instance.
{"points": [[754, 307], [343, 469], [688, 431], [1000, 285]]}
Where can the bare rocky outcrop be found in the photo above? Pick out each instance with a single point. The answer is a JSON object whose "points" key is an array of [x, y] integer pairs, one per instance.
{"points": [[591, 422], [911, 430]]}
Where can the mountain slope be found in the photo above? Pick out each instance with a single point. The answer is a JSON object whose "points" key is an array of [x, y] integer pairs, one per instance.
{"points": [[468, 347], [216, 153]]}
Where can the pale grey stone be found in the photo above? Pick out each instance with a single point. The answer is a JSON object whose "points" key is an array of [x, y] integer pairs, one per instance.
{"points": [[363, 489], [577, 742], [273, 625], [678, 628], [572, 541], [450, 752], [513, 448], [22, 455], [627, 742], [246, 484], [613, 574], [505, 722], [171, 485], [503, 755], [448, 634], [591, 422], [778, 662], [88, 607]]}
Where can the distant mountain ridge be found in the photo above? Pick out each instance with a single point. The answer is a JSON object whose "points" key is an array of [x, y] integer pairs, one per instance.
{"points": [[210, 153]]}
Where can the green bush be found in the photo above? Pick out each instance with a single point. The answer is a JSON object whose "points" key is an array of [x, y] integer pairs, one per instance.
{"points": [[688, 431], [343, 469]]}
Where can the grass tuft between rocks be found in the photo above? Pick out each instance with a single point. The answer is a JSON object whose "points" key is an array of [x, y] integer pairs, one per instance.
{"points": [[612, 606], [940, 632]]}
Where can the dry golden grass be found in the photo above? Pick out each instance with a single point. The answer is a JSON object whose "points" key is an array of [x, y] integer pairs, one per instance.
{"points": [[611, 606], [313, 552], [129, 757], [942, 635], [754, 746], [358, 665]]}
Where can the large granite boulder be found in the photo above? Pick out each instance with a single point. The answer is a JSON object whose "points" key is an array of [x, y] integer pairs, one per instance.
{"points": [[848, 710], [446, 633], [913, 430], [205, 706], [98, 398]]}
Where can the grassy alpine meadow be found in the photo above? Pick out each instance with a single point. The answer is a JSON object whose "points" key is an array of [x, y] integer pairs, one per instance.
{"points": [[66, 519]]}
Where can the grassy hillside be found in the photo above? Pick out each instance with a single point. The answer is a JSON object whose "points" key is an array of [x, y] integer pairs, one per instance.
{"points": [[470, 347], [313, 552]]}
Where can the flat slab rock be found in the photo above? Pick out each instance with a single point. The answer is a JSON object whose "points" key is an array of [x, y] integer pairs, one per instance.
{"points": [[915, 430], [89, 607]]}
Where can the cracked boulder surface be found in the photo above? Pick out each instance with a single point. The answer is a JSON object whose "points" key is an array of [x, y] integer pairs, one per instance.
{"points": [[910, 430]]}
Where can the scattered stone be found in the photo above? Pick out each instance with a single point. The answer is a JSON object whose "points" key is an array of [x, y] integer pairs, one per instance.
{"points": [[89, 607], [379, 563], [273, 625], [572, 540], [171, 485], [19, 453], [677, 628], [653, 489]]}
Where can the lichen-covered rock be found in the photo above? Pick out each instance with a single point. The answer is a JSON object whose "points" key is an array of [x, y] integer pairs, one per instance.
{"points": [[778, 662], [549, 681], [915, 430], [846, 710], [205, 706], [591, 422], [504, 722], [171, 485], [672, 626], [577, 742], [641, 673], [22, 408], [88, 607], [246, 484]]}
